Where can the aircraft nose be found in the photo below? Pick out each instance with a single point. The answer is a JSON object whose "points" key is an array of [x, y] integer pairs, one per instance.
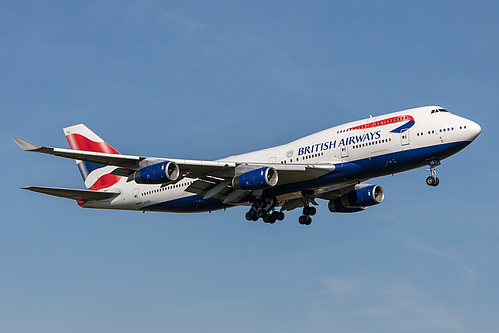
{"points": [[474, 129]]}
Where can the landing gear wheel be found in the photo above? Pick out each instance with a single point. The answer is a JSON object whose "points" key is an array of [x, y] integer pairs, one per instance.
{"points": [[264, 209], [269, 218], [251, 215], [309, 210], [280, 216], [275, 216], [305, 220], [261, 213], [432, 181]]}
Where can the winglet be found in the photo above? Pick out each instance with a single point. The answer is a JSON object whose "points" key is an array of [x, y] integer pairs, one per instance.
{"points": [[25, 145]]}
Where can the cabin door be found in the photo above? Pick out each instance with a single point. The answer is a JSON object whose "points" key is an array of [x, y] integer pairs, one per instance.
{"points": [[344, 151], [136, 196], [404, 138]]}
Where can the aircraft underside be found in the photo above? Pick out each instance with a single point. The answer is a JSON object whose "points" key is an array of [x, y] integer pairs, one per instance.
{"points": [[305, 193]]}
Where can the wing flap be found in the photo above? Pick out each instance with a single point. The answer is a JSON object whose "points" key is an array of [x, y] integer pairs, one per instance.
{"points": [[82, 195]]}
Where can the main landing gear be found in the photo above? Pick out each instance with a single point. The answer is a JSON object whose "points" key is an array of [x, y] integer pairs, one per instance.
{"points": [[433, 180], [308, 211], [264, 209]]}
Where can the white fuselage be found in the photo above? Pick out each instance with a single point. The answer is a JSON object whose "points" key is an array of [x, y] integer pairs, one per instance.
{"points": [[394, 142]]}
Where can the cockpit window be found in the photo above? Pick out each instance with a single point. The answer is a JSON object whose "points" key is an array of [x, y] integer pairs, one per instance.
{"points": [[438, 110]]}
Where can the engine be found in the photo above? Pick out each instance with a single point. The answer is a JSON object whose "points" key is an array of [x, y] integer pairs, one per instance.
{"points": [[336, 206], [364, 196], [158, 173], [257, 179], [357, 200]]}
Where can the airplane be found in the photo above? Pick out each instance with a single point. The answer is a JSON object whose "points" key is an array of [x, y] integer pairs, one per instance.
{"points": [[332, 165]]}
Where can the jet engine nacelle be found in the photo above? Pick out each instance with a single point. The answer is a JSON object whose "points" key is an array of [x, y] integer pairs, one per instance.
{"points": [[158, 173], [357, 200], [336, 206], [364, 196], [257, 179]]}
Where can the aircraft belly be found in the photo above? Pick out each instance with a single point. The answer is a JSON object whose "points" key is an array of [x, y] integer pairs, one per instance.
{"points": [[346, 173], [188, 204]]}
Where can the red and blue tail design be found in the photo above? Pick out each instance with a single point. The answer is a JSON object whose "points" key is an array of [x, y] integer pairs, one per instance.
{"points": [[96, 176]]}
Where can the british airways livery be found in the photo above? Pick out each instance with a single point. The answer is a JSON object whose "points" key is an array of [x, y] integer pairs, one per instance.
{"points": [[330, 165]]}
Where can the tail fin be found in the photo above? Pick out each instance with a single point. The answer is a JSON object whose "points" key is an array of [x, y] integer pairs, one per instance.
{"points": [[96, 176]]}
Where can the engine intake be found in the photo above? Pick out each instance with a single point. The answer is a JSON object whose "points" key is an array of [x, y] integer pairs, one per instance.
{"points": [[158, 173], [257, 179], [364, 196]]}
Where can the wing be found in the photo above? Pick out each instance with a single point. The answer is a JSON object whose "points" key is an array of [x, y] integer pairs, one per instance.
{"points": [[331, 192], [127, 162], [83, 195], [213, 176]]}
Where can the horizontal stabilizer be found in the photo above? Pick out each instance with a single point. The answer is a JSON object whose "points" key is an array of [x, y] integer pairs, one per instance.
{"points": [[82, 195]]}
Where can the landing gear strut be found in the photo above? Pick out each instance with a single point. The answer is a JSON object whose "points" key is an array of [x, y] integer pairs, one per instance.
{"points": [[308, 210], [264, 209], [433, 180]]}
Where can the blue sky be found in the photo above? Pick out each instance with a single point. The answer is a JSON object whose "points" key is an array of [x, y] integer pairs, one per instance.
{"points": [[206, 80]]}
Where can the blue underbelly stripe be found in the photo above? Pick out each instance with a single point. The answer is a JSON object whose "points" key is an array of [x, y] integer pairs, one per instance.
{"points": [[365, 168]]}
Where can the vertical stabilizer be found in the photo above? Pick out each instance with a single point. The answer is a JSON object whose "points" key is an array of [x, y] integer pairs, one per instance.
{"points": [[96, 176]]}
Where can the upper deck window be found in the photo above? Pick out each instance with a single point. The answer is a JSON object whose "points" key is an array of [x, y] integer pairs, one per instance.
{"points": [[438, 110]]}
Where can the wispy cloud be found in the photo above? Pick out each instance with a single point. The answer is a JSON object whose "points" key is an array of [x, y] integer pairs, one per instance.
{"points": [[418, 246], [338, 287], [395, 306], [470, 276]]}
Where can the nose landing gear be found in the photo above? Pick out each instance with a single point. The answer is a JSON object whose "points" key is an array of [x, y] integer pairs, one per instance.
{"points": [[433, 180]]}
